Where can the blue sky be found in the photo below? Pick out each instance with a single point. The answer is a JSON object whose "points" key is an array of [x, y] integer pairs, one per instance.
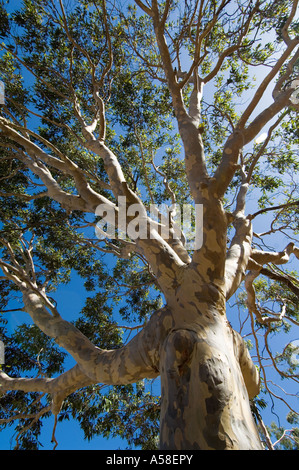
{"points": [[70, 300]]}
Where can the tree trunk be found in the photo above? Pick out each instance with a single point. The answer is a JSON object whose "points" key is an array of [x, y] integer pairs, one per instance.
{"points": [[207, 375], [205, 401]]}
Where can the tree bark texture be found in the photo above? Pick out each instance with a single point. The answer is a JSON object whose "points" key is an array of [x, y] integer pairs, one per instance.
{"points": [[205, 403], [207, 375]]}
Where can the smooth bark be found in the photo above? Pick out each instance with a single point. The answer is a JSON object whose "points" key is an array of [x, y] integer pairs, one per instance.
{"points": [[207, 375]]}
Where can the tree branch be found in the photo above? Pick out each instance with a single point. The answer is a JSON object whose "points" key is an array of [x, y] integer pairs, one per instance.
{"points": [[188, 122], [230, 50], [255, 265], [134, 361], [264, 85], [239, 251], [86, 201], [280, 277], [254, 308], [281, 257], [140, 358], [242, 136], [274, 208], [143, 7], [59, 387], [284, 30]]}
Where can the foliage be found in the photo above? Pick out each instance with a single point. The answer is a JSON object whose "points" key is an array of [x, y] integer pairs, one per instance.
{"points": [[55, 63]]}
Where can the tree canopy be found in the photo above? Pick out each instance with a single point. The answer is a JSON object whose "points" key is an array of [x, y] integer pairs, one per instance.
{"points": [[173, 103]]}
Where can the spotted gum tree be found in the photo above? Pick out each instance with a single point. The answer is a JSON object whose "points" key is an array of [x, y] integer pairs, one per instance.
{"points": [[157, 102]]}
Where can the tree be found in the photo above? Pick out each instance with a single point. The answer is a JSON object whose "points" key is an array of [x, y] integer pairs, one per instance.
{"points": [[111, 112]]}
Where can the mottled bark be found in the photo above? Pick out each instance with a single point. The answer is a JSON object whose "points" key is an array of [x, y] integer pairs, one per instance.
{"points": [[205, 403], [207, 375]]}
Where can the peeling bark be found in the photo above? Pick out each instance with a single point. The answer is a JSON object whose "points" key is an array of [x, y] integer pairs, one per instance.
{"points": [[205, 402], [207, 375]]}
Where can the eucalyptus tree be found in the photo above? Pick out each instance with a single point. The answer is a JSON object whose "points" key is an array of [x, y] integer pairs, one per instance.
{"points": [[120, 122]]}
